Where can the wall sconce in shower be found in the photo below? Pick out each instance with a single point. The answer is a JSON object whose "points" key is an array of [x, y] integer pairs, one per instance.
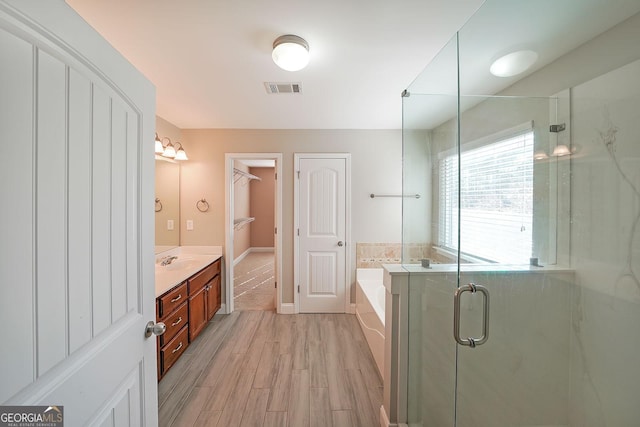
{"points": [[169, 150]]}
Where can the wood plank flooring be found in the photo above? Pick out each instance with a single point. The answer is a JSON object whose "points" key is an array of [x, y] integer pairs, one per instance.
{"points": [[257, 368]]}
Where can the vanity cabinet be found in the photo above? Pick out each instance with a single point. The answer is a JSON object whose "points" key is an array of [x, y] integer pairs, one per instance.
{"points": [[203, 288], [172, 309], [185, 310]]}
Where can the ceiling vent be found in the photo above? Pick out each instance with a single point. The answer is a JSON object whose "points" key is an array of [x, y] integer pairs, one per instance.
{"points": [[283, 87]]}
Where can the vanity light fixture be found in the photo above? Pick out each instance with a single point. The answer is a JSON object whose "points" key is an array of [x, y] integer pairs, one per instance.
{"points": [[159, 146], [169, 150], [513, 63], [290, 52], [180, 153]]}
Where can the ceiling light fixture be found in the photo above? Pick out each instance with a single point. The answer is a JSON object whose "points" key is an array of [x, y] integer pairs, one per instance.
{"points": [[169, 150], [513, 63], [290, 52]]}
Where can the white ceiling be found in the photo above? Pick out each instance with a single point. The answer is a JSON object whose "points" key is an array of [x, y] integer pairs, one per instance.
{"points": [[209, 59]]}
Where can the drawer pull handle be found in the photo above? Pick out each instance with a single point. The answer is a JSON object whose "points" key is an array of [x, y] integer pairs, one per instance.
{"points": [[177, 348], [177, 298], [177, 322]]}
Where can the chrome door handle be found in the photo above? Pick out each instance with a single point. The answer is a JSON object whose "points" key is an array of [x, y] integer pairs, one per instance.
{"points": [[340, 243], [154, 329], [473, 288]]}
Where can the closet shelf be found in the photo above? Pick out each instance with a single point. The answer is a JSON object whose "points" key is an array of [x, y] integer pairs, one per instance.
{"points": [[238, 223], [239, 174]]}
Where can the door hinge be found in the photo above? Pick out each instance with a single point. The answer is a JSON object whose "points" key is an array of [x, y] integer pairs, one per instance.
{"points": [[275, 230], [275, 285], [276, 176], [298, 288], [298, 174], [298, 231]]}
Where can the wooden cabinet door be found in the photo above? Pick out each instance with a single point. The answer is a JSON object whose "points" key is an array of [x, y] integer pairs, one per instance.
{"points": [[197, 313], [213, 297]]}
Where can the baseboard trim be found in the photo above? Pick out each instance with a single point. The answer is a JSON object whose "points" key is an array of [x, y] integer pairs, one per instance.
{"points": [[384, 420], [244, 254], [240, 257], [287, 308], [352, 308], [262, 249]]}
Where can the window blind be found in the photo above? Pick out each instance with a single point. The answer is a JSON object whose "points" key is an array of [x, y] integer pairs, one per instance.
{"points": [[496, 200]]}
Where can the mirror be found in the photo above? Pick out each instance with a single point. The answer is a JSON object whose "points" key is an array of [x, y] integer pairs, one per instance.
{"points": [[167, 204]]}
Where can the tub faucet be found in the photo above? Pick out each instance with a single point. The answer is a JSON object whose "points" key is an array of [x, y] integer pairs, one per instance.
{"points": [[167, 260]]}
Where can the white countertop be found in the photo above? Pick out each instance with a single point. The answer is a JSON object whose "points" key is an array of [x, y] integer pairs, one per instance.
{"points": [[191, 259]]}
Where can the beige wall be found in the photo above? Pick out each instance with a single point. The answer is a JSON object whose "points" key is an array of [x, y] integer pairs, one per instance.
{"points": [[167, 190], [376, 159], [262, 195]]}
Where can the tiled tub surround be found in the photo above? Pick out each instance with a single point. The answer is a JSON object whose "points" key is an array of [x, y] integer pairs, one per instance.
{"points": [[522, 372], [370, 299], [374, 255], [191, 259]]}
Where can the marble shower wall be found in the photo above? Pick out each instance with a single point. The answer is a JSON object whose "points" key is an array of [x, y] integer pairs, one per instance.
{"points": [[520, 377], [605, 242]]}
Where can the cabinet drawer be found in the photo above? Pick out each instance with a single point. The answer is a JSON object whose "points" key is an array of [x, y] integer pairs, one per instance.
{"points": [[174, 348], [198, 280], [174, 322], [171, 300]]}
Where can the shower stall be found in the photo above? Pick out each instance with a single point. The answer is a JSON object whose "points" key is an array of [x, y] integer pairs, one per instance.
{"points": [[520, 277]]}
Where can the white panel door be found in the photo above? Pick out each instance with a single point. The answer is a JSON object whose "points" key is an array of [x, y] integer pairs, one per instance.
{"points": [[76, 266], [322, 235]]}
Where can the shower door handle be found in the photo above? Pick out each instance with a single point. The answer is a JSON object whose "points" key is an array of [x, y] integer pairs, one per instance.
{"points": [[473, 288]]}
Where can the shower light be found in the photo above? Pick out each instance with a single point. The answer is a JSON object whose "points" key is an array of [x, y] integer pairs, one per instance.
{"points": [[513, 63], [561, 150], [290, 52], [540, 155]]}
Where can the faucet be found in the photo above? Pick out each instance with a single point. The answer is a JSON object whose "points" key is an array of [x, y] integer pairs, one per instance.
{"points": [[167, 260]]}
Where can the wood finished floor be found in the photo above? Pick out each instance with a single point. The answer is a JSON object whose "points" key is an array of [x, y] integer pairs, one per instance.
{"points": [[257, 368]]}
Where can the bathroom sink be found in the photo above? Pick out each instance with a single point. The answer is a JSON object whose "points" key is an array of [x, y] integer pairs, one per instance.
{"points": [[180, 263]]}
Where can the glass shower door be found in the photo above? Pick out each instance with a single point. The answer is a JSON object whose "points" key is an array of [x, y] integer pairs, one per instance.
{"points": [[512, 360]]}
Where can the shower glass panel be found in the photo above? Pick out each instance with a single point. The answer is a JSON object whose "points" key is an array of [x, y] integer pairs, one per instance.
{"points": [[529, 188]]}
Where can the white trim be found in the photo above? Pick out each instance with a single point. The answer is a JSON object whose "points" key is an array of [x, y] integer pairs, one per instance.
{"points": [[240, 257], [244, 254], [352, 308], [262, 249], [296, 223], [228, 229], [287, 308]]}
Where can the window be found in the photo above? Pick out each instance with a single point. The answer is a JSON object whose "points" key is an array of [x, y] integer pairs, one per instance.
{"points": [[496, 198]]}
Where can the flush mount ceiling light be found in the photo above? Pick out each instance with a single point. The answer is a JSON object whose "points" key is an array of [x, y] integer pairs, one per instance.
{"points": [[513, 63], [290, 52]]}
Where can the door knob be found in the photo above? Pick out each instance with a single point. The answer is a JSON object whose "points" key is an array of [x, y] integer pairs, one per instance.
{"points": [[155, 329], [340, 243]]}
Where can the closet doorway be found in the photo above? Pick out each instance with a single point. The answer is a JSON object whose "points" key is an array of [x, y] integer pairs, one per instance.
{"points": [[253, 231]]}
